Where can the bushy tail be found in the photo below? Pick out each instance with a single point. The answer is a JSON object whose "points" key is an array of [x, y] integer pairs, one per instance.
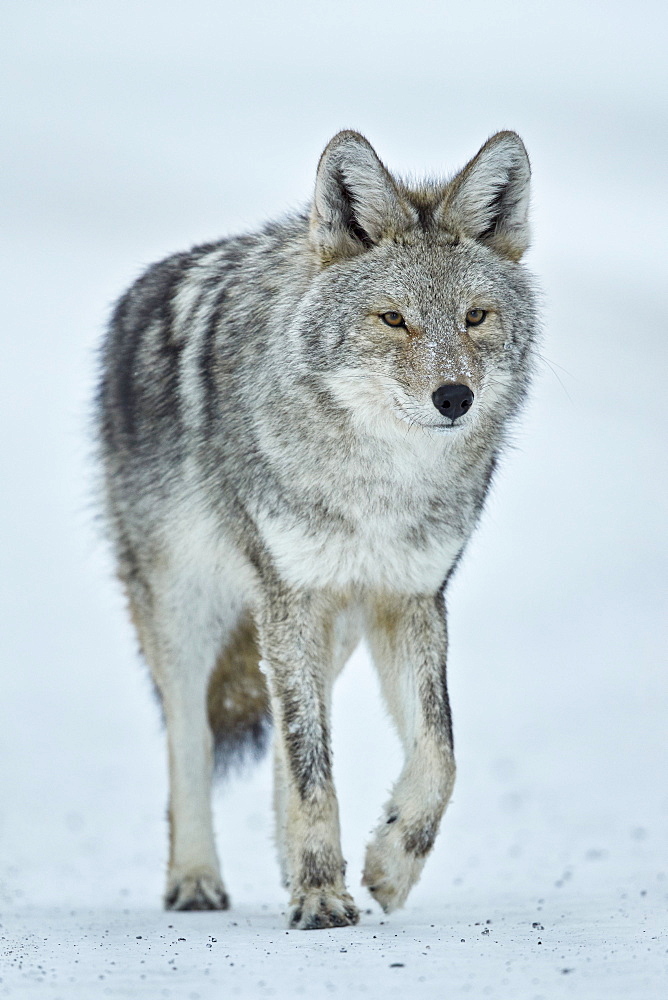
{"points": [[238, 700]]}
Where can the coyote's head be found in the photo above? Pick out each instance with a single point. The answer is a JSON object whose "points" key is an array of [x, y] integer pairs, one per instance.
{"points": [[420, 312]]}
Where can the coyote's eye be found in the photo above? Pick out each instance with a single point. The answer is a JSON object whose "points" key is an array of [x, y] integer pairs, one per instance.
{"points": [[474, 317], [393, 319]]}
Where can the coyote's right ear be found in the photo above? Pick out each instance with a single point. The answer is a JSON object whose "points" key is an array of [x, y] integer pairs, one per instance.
{"points": [[356, 201], [489, 199]]}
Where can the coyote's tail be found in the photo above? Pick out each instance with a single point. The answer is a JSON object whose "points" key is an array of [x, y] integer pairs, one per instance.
{"points": [[238, 700]]}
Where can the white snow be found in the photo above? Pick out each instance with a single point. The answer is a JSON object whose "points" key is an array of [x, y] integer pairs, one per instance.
{"points": [[132, 130]]}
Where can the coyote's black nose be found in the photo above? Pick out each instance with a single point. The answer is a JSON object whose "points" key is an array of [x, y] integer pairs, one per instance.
{"points": [[452, 400]]}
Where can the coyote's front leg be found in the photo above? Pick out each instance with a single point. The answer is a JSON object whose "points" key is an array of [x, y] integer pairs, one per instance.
{"points": [[409, 642], [296, 642]]}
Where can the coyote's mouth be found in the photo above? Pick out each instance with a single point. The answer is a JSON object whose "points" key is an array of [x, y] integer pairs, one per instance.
{"points": [[443, 428]]}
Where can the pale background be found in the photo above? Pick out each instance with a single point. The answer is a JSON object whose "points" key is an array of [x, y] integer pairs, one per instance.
{"points": [[131, 130]]}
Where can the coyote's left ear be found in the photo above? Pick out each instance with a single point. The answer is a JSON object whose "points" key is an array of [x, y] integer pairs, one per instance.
{"points": [[489, 199], [356, 202]]}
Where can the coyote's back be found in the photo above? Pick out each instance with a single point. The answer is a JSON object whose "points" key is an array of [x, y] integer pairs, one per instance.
{"points": [[298, 428]]}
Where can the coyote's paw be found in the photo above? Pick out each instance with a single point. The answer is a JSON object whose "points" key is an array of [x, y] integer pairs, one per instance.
{"points": [[322, 908], [198, 890], [390, 871]]}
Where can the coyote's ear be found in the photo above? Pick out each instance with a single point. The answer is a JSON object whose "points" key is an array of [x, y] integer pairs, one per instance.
{"points": [[489, 199], [356, 201]]}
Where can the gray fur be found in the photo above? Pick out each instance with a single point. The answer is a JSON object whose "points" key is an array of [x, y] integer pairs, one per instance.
{"points": [[272, 455]]}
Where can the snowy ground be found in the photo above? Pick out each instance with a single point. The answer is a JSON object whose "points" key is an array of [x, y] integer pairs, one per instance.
{"points": [[135, 129]]}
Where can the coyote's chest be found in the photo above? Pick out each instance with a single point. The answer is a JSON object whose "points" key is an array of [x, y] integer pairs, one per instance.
{"points": [[391, 550]]}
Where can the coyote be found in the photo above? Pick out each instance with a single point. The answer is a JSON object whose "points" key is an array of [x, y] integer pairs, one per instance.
{"points": [[298, 428]]}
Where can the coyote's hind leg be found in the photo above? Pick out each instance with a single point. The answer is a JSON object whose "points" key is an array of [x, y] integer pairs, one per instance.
{"points": [[180, 640]]}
